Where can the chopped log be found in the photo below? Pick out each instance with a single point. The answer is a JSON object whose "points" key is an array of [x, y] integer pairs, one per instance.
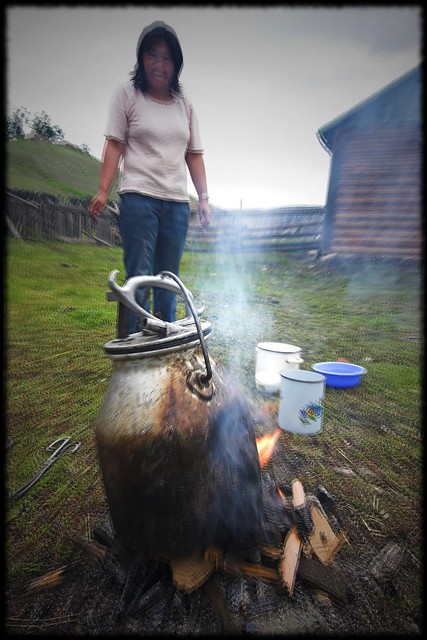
{"points": [[49, 580], [387, 562], [93, 548], [312, 572], [288, 563], [189, 573], [298, 494], [323, 540], [259, 571], [323, 577], [301, 511]]}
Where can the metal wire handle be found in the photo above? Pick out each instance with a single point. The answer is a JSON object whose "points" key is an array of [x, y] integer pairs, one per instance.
{"points": [[190, 305]]}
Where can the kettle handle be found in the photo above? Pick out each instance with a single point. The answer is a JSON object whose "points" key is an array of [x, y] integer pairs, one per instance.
{"points": [[126, 295], [189, 302], [166, 280]]}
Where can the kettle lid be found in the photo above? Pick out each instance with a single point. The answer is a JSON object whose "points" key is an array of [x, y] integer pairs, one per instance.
{"points": [[148, 344]]}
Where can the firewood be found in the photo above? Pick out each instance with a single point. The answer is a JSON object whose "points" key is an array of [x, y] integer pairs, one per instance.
{"points": [[190, 572], [271, 552], [323, 540], [298, 494], [288, 563], [49, 580], [387, 562], [323, 577], [312, 572], [213, 554], [259, 571], [301, 511], [93, 548]]}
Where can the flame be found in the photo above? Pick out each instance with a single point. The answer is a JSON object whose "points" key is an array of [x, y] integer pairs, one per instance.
{"points": [[266, 445]]}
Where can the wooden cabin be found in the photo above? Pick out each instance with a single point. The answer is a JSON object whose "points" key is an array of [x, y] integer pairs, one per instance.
{"points": [[373, 204]]}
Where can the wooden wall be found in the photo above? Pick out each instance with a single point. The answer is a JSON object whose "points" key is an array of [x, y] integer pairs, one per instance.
{"points": [[374, 195]]}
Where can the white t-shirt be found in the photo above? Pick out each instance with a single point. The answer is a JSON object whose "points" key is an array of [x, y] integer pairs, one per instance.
{"points": [[157, 135]]}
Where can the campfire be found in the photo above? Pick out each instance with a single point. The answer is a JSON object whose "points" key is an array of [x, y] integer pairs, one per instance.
{"points": [[194, 593], [187, 484], [298, 547]]}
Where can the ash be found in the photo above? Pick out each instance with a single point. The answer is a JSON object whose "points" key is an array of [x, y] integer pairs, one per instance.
{"points": [[101, 598]]}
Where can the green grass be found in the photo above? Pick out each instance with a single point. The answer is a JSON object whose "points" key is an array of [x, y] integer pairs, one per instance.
{"points": [[35, 165], [57, 375]]}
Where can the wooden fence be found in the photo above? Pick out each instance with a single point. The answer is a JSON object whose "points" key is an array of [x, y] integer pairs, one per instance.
{"points": [[42, 217], [284, 229]]}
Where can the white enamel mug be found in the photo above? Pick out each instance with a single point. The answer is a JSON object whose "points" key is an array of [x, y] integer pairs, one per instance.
{"points": [[301, 401]]}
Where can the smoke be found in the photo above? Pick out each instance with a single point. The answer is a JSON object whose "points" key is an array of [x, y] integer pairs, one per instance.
{"points": [[240, 318], [234, 475]]}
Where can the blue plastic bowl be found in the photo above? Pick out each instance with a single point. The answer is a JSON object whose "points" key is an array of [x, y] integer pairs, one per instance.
{"points": [[340, 374]]}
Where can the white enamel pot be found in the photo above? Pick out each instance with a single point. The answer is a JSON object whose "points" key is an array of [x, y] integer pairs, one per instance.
{"points": [[271, 359], [277, 356]]}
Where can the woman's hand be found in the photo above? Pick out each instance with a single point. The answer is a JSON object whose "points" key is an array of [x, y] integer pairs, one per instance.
{"points": [[204, 214], [97, 205], [111, 154]]}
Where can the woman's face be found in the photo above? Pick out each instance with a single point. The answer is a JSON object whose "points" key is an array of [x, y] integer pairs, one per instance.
{"points": [[158, 67]]}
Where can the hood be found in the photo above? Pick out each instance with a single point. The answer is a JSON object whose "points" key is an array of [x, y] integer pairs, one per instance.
{"points": [[165, 31]]}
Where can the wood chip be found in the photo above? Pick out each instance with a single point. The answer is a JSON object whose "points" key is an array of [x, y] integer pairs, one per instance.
{"points": [[345, 471], [49, 580], [190, 573]]}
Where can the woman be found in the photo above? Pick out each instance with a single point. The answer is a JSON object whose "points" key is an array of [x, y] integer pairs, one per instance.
{"points": [[153, 129]]}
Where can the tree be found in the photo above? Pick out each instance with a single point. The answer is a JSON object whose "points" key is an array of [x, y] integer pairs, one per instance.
{"points": [[85, 148], [15, 124], [42, 126]]}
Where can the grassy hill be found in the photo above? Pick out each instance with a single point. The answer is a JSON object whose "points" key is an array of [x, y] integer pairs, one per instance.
{"points": [[35, 165], [43, 167]]}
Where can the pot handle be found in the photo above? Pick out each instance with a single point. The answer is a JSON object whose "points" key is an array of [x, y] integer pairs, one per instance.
{"points": [[294, 360], [126, 293], [204, 379], [166, 280]]}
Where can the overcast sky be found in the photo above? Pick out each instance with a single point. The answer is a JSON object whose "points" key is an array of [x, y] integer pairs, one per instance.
{"points": [[262, 80]]}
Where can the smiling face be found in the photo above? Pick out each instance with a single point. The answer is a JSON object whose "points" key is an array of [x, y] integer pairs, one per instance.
{"points": [[158, 68]]}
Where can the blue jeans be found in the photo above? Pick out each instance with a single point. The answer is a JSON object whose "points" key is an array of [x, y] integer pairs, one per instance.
{"points": [[153, 233]]}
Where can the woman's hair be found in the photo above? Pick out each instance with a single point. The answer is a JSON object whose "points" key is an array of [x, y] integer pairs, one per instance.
{"points": [[159, 34]]}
